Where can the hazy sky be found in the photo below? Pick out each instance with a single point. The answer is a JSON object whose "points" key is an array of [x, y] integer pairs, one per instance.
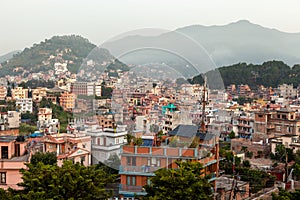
{"points": [[24, 22]]}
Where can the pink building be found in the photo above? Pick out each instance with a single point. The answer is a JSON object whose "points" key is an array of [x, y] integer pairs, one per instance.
{"points": [[73, 147], [14, 155]]}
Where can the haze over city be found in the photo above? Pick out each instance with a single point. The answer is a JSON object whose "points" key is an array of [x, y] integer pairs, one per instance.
{"points": [[27, 22]]}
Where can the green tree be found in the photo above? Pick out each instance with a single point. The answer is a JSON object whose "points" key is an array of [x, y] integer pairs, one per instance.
{"points": [[232, 135], [137, 141], [71, 181], [186, 182], [25, 129], [48, 158], [246, 163], [286, 195], [249, 154]]}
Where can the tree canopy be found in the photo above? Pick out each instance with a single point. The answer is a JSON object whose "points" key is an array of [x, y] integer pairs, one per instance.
{"points": [[186, 182], [71, 181], [48, 158], [268, 74]]}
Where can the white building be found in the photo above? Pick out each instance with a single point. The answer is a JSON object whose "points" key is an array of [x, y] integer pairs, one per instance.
{"points": [[287, 91], [106, 142], [13, 119], [60, 68], [24, 105]]}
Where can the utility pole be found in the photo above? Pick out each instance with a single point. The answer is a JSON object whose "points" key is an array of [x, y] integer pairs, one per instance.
{"points": [[286, 166], [202, 125], [232, 193]]}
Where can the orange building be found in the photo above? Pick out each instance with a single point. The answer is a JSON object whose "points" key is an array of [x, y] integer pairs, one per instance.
{"points": [[3, 92], [67, 101], [138, 163]]}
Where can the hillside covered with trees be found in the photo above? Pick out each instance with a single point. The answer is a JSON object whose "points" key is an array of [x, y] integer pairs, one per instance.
{"points": [[268, 74], [70, 49]]}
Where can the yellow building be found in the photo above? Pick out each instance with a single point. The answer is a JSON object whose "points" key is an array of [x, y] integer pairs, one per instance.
{"points": [[38, 94], [19, 93]]}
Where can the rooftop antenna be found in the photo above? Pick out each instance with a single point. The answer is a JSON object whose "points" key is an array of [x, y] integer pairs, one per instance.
{"points": [[202, 125]]}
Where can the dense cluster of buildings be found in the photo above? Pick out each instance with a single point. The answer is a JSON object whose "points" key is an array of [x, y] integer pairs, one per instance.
{"points": [[142, 107]]}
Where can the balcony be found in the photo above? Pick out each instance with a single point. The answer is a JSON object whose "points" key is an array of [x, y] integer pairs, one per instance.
{"points": [[212, 176], [141, 170], [131, 190]]}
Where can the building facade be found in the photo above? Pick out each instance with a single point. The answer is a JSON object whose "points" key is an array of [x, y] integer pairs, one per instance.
{"points": [[24, 105]]}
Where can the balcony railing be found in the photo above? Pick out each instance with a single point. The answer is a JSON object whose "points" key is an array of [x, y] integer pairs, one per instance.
{"points": [[130, 188], [138, 169]]}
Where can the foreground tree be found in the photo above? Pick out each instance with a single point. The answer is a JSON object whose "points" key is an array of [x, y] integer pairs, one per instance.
{"points": [[186, 182], [48, 158], [71, 181]]}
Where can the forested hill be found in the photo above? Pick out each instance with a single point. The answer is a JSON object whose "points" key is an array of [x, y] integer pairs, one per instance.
{"points": [[268, 74], [71, 49]]}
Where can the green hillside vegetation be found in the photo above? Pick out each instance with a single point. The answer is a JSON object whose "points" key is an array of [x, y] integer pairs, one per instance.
{"points": [[268, 74], [74, 49]]}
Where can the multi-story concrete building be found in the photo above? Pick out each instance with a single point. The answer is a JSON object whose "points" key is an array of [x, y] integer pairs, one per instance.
{"points": [[14, 155], [244, 90], [19, 93], [138, 163], [106, 120], [289, 141], [38, 94], [276, 123], [287, 91], [45, 114], [10, 123], [75, 147], [3, 92], [106, 142], [13, 119], [245, 127], [24, 105], [67, 101], [86, 88]]}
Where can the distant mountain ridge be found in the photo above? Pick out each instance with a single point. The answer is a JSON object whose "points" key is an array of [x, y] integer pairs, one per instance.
{"points": [[236, 42]]}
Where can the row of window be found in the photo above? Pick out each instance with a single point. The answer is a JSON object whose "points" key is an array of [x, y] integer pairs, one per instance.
{"points": [[131, 161], [131, 180]]}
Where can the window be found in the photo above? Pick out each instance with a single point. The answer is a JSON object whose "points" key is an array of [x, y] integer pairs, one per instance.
{"points": [[82, 159], [131, 161], [2, 177], [4, 152], [278, 128], [155, 162], [131, 180]]}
